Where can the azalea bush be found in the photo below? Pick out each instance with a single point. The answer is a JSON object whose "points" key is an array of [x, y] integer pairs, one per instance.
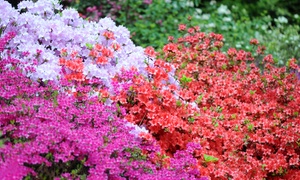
{"points": [[57, 122], [46, 32], [244, 114]]}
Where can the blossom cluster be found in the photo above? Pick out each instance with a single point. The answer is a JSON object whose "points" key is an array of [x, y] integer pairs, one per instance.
{"points": [[44, 30]]}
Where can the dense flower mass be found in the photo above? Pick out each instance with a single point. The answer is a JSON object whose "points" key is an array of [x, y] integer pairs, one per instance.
{"points": [[48, 134], [80, 101], [245, 117], [42, 34]]}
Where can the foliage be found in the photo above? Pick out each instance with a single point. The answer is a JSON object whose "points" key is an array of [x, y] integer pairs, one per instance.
{"points": [[94, 9], [282, 42], [260, 8], [153, 24]]}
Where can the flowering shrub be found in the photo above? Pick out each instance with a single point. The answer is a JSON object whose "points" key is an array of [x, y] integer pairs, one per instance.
{"points": [[52, 126], [245, 117], [48, 134], [46, 33]]}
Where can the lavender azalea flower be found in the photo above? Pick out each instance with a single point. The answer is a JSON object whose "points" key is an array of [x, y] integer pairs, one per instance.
{"points": [[45, 26]]}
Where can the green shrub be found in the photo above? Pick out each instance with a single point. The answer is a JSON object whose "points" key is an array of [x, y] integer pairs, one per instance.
{"points": [[259, 8], [152, 25]]}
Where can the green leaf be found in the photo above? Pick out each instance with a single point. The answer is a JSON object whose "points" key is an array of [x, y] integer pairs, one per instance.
{"points": [[183, 65], [130, 88], [12, 121], [219, 109], [89, 46], [27, 177], [118, 108], [263, 166], [178, 103], [250, 127], [208, 158], [1, 143], [199, 99], [224, 66], [54, 95], [191, 120], [236, 128], [185, 79], [221, 117], [246, 121], [233, 116], [252, 92], [83, 177], [216, 124]]}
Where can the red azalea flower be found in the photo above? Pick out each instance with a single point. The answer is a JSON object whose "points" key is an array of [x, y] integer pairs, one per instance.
{"points": [[171, 47], [254, 42], [107, 53], [181, 27], [108, 35], [150, 51], [102, 60]]}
